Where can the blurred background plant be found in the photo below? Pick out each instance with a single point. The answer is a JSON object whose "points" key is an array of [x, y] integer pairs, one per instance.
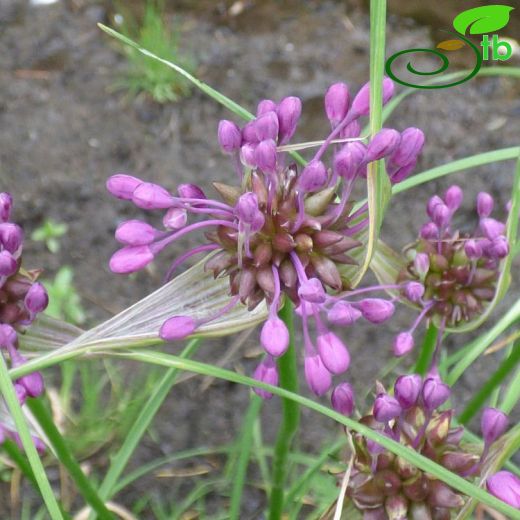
{"points": [[50, 232], [154, 33]]}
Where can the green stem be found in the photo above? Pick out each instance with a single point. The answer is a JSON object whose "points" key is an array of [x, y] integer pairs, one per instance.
{"points": [[7, 389], [17, 457], [288, 368], [478, 400], [66, 458], [244, 447], [427, 349]]}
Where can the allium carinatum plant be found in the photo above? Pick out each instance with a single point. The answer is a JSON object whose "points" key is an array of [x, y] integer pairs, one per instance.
{"points": [[281, 230], [291, 237]]}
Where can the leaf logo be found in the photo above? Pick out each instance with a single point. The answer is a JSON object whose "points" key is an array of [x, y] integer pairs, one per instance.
{"points": [[450, 45], [482, 20]]}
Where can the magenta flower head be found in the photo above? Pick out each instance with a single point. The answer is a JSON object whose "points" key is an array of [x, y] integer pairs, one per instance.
{"points": [[229, 136], [122, 186], [376, 310], [337, 100], [318, 377], [266, 372], [342, 399], [493, 424], [407, 390], [361, 103], [386, 408], [434, 393], [383, 144], [177, 327], [505, 486], [275, 336], [333, 352], [288, 111], [281, 232]]}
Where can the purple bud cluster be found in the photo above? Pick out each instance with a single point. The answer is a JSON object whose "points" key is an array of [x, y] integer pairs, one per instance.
{"points": [[282, 231], [21, 299], [452, 275], [385, 486]]}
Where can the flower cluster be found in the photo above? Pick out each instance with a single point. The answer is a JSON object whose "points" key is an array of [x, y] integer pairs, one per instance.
{"points": [[282, 230], [452, 275], [386, 487], [21, 299]]}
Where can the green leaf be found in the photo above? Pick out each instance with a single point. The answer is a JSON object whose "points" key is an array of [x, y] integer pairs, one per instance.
{"points": [[481, 20]]}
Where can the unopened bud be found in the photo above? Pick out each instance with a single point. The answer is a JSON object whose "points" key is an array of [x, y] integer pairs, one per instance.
{"points": [[337, 100], [342, 399], [333, 352], [177, 327], [275, 336], [135, 233], [266, 372], [317, 376], [403, 344], [376, 310], [493, 424], [130, 259], [382, 144], [289, 110], [122, 186], [229, 136], [484, 204], [151, 196]]}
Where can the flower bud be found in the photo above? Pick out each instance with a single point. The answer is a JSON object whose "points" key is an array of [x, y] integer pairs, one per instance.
{"points": [[407, 389], [275, 336], [342, 399], [249, 133], [473, 249], [130, 259], [265, 156], [177, 327], [36, 299], [429, 231], [493, 424], [11, 236], [313, 177], [442, 495], [499, 248], [247, 207], [317, 376], [122, 186], [382, 144], [376, 310], [151, 196], [484, 204], [8, 264], [175, 218], [21, 395], [6, 204], [266, 126], [386, 408], [312, 291], [410, 146], [441, 215], [32, 383], [421, 264], [333, 353], [342, 313], [190, 191], [289, 110], [432, 203], [8, 335], [396, 507], [247, 155], [361, 103], [453, 197], [229, 136], [505, 486], [337, 100], [403, 344], [434, 393], [266, 105], [400, 174], [353, 129], [348, 160], [135, 233], [414, 291], [266, 372], [492, 228]]}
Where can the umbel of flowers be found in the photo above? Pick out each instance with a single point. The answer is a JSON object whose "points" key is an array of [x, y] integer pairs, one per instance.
{"points": [[452, 275], [21, 299], [282, 230], [386, 487]]}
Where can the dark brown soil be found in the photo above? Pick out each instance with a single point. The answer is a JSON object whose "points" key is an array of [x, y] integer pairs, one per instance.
{"points": [[63, 132]]}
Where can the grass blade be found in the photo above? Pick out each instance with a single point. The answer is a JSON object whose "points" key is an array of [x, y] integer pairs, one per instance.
{"points": [[6, 387]]}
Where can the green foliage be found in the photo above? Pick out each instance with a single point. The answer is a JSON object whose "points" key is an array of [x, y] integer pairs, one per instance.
{"points": [[50, 233], [64, 301], [147, 75]]}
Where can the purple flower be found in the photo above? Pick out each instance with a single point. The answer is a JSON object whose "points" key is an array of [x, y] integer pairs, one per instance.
{"points": [[282, 231], [493, 424], [266, 372], [505, 486], [434, 393], [342, 399], [386, 408], [407, 390]]}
